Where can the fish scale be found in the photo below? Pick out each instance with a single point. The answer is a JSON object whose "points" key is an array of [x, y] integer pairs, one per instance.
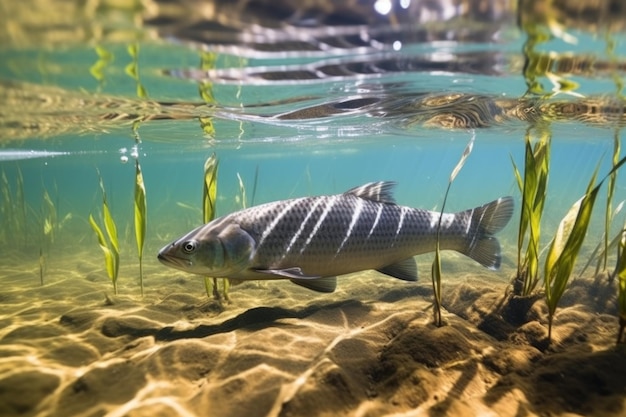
{"points": [[311, 240]]}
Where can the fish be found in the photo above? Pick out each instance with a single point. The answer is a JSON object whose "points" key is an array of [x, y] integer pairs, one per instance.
{"points": [[312, 240]]}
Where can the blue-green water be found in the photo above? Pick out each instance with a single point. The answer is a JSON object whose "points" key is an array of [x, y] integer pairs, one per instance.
{"points": [[293, 120], [293, 110]]}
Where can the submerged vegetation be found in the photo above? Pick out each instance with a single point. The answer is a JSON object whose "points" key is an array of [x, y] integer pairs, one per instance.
{"points": [[209, 198], [99, 68], [565, 246], [205, 89], [564, 249], [544, 78], [141, 218], [436, 268], [132, 70], [532, 185], [20, 201], [13, 209], [242, 193], [109, 246], [242, 198], [609, 214], [49, 227], [6, 209]]}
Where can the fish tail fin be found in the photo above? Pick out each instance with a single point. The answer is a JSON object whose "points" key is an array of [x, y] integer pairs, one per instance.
{"points": [[481, 245]]}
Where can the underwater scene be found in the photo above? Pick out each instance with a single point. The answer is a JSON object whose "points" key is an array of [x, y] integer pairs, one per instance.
{"points": [[412, 208]]}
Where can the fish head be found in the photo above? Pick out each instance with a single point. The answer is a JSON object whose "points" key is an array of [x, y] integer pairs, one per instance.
{"points": [[215, 249]]}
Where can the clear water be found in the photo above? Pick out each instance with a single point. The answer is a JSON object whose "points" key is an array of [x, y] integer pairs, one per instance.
{"points": [[289, 120], [69, 103], [62, 124]]}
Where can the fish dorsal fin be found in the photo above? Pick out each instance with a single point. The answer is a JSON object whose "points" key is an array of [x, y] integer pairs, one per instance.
{"points": [[380, 191], [325, 284]]}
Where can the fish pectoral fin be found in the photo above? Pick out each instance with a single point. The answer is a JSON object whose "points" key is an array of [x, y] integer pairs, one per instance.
{"points": [[326, 284], [293, 273], [405, 270], [312, 282]]}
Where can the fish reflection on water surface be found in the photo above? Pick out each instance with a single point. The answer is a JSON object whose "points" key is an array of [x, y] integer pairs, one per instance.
{"points": [[311, 240]]}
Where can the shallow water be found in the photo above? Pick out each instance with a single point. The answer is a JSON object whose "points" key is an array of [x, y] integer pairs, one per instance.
{"points": [[295, 101]]}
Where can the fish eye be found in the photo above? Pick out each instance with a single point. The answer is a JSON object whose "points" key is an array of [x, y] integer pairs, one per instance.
{"points": [[189, 246]]}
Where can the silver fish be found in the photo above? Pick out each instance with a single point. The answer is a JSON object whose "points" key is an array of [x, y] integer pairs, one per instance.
{"points": [[311, 240]]}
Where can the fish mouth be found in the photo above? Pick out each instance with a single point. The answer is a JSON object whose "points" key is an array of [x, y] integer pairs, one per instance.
{"points": [[174, 261]]}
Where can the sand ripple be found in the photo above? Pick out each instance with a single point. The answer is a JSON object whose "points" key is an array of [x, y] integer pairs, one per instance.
{"points": [[278, 350]]}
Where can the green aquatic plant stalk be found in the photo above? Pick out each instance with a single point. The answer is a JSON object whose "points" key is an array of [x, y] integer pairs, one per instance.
{"points": [[6, 209], [49, 217], [205, 89], [110, 260], [436, 267], [141, 218], [21, 201], [242, 193], [209, 199], [109, 246], [132, 69], [609, 198], [565, 246], [98, 69], [533, 186], [254, 185], [12, 209], [598, 252], [48, 229], [209, 192]]}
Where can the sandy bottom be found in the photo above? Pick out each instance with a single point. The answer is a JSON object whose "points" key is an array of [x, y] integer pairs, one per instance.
{"points": [[71, 348]]}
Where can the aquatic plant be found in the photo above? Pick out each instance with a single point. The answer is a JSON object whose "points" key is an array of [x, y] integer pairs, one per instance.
{"points": [[539, 64], [21, 205], [602, 250], [533, 187], [13, 210], [254, 185], [598, 253], [565, 246], [141, 218], [97, 70], [109, 246], [49, 216], [48, 229], [243, 199], [209, 198], [205, 89], [132, 69], [436, 268], [6, 209], [608, 215]]}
